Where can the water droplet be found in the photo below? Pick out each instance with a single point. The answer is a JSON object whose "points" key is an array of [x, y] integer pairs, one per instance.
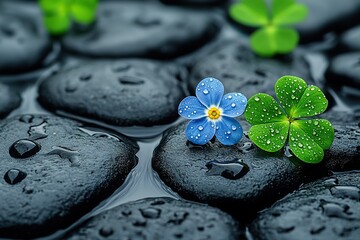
{"points": [[178, 218], [246, 147], [316, 122], [206, 91], [38, 131], [233, 127], [14, 176], [317, 229], [71, 86], [131, 80], [139, 223], [65, 153], [232, 170], [26, 118], [119, 67], [268, 142], [233, 105], [106, 231], [99, 134], [24, 148], [351, 192], [195, 146], [332, 209], [28, 189], [331, 182], [300, 145], [256, 99], [287, 152], [150, 212], [292, 97], [85, 77], [201, 128]]}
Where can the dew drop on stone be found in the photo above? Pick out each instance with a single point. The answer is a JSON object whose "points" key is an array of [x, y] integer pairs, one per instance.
{"points": [[26, 118], [201, 128], [24, 148], [14, 176], [206, 91], [120, 67], [332, 209], [287, 152], [246, 147], [351, 192], [65, 153], [150, 212], [106, 231], [85, 77], [232, 170], [38, 131], [178, 217]]}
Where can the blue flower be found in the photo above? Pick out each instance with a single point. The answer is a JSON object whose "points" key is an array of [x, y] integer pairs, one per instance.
{"points": [[213, 114]]}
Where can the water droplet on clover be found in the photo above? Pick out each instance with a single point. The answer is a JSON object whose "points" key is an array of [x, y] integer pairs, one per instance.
{"points": [[256, 99]]}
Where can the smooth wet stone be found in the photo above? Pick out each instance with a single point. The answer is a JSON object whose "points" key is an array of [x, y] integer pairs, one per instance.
{"points": [[350, 39], [159, 218], [124, 92], [240, 70], [342, 117], [344, 69], [143, 29], [24, 42], [344, 153], [54, 186], [248, 179], [9, 100], [326, 209], [327, 16]]}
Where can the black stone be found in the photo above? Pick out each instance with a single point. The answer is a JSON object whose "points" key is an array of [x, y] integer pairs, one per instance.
{"points": [[9, 100], [264, 177], [195, 2], [350, 39], [159, 218], [126, 92], [24, 42], [327, 16], [323, 210], [344, 154], [143, 29], [344, 69], [51, 189], [241, 70]]}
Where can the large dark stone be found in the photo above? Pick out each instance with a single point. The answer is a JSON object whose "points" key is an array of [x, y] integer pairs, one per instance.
{"points": [[24, 42], [241, 70], [238, 188], [326, 209], [195, 2], [350, 39], [9, 100], [327, 16], [126, 92], [63, 173], [143, 29], [159, 218], [344, 69]]}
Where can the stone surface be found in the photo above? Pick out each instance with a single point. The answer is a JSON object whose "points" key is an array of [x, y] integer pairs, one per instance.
{"points": [[241, 71], [24, 42], [327, 16], [126, 92], [159, 218], [265, 178], [342, 117], [195, 2], [344, 69], [326, 209], [143, 29], [344, 154], [9, 100], [63, 173], [350, 39]]}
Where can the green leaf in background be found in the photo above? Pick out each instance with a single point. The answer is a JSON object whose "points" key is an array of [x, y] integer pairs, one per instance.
{"points": [[84, 11], [55, 16], [268, 41], [58, 14], [287, 12], [252, 13], [274, 35], [308, 138]]}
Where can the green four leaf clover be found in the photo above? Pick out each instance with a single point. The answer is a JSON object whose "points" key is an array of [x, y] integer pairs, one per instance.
{"points": [[273, 125], [273, 36], [58, 14]]}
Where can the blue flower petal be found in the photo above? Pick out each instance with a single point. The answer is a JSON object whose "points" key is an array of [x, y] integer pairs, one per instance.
{"points": [[228, 131], [210, 92], [200, 131], [191, 108], [233, 104]]}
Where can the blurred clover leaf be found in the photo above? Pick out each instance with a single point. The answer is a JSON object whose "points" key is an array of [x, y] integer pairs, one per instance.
{"points": [[59, 14], [273, 125], [274, 34]]}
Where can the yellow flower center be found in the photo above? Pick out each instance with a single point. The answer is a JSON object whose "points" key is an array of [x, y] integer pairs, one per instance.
{"points": [[214, 113]]}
